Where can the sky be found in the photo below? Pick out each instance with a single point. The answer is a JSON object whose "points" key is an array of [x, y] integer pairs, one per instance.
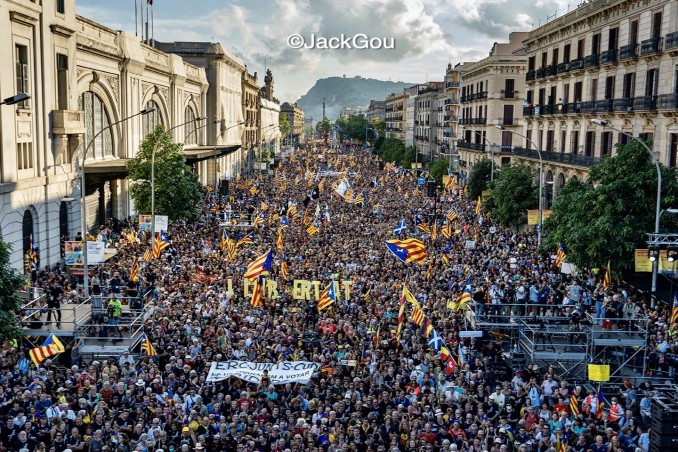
{"points": [[425, 35]]}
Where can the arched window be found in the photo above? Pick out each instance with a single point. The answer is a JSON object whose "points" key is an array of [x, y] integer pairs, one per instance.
{"points": [[96, 119], [190, 134], [150, 121], [27, 231]]}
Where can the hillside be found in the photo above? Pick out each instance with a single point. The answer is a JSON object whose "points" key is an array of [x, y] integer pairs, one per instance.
{"points": [[342, 92]]}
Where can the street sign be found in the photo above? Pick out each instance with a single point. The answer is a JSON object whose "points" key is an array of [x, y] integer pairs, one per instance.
{"points": [[421, 181]]}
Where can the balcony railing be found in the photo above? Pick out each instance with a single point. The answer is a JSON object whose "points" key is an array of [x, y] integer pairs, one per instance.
{"points": [[645, 103], [452, 85], [541, 110], [528, 111], [587, 107], [509, 121], [508, 94], [473, 146], [557, 157], [623, 104], [529, 76], [563, 68], [628, 52], [541, 73], [551, 70], [591, 61], [603, 106], [479, 120], [671, 40], [608, 56], [576, 65], [651, 46], [667, 101]]}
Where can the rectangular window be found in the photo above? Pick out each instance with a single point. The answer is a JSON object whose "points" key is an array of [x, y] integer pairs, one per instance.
{"points": [[540, 139], [61, 6], [575, 142], [544, 59], [606, 144], [594, 89], [530, 63], [509, 86], [566, 53], [62, 81], [506, 139], [581, 46], [629, 85], [24, 156], [21, 63], [508, 115], [673, 150], [623, 139], [554, 57], [609, 87], [549, 141], [651, 80], [656, 25], [566, 92], [563, 137], [633, 33], [528, 140], [612, 37], [595, 44], [590, 146], [578, 89]]}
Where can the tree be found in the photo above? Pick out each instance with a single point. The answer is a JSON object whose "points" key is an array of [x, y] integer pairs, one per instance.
{"points": [[380, 126], [514, 192], [10, 302], [178, 193], [323, 126], [352, 127], [284, 123], [479, 177], [608, 216], [438, 169]]}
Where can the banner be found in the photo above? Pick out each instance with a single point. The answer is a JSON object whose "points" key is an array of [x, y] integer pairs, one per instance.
{"points": [[599, 372], [642, 261], [161, 223], [278, 374], [533, 216], [73, 253], [95, 253], [145, 222]]}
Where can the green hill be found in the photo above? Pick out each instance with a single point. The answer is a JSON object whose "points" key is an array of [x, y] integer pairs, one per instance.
{"points": [[340, 92]]}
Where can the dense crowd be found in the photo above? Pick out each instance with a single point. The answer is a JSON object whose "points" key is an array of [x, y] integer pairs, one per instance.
{"points": [[372, 392]]}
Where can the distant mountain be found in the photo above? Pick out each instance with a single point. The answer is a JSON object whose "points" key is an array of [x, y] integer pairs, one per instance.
{"points": [[340, 92]]}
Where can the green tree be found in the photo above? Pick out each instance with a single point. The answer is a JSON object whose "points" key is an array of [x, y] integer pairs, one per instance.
{"points": [[352, 127], [284, 123], [514, 192], [438, 169], [608, 216], [323, 126], [380, 126], [479, 177], [178, 193], [10, 302]]}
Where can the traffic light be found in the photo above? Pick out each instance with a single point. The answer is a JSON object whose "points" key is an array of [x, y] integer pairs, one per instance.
{"points": [[431, 189]]}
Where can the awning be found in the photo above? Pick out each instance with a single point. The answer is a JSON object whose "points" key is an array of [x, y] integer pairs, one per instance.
{"points": [[106, 166], [197, 154]]}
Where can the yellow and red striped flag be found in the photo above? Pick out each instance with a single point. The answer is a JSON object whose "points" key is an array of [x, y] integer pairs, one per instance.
{"points": [[409, 250], [261, 266], [147, 347], [607, 278], [328, 297], [134, 272], [257, 299], [52, 346]]}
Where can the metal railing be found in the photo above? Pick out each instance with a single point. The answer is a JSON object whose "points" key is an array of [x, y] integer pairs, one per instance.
{"points": [[651, 46], [608, 56], [628, 52], [671, 40], [557, 157]]}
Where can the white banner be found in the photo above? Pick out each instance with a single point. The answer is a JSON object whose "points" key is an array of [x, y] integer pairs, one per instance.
{"points": [[95, 253], [161, 223], [278, 374]]}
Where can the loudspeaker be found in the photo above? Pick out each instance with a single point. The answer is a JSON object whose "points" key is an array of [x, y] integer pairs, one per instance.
{"points": [[223, 190], [381, 165], [431, 189]]}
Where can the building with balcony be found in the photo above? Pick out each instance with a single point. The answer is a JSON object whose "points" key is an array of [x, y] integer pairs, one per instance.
{"points": [[295, 116], [269, 112], [614, 60], [376, 110], [426, 120], [82, 77], [395, 115], [491, 93], [250, 108], [448, 115]]}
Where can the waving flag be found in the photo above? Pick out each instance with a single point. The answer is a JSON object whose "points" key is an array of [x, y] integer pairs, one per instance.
{"points": [[434, 231], [447, 230], [328, 297], [293, 213], [148, 256], [423, 227], [401, 228], [259, 220], [674, 310], [452, 215], [257, 299], [466, 295], [161, 242], [313, 228], [261, 266], [279, 241], [131, 236], [478, 206], [409, 250], [560, 255], [147, 347], [34, 251], [134, 271], [359, 198], [245, 240], [52, 346], [451, 365], [306, 218], [232, 249], [284, 222], [376, 336], [434, 340], [224, 240], [401, 312], [607, 278], [283, 270], [417, 315]]}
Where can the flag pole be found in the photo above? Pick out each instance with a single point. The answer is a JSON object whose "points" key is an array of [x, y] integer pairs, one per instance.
{"points": [[136, 18], [152, 29], [146, 22], [141, 10]]}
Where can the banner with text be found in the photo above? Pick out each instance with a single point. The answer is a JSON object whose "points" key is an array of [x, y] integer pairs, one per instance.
{"points": [[278, 374]]}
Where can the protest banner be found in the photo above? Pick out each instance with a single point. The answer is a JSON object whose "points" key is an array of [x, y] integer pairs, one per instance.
{"points": [[278, 374]]}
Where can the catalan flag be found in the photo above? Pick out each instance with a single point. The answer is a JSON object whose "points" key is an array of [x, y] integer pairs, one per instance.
{"points": [[232, 249], [306, 219], [561, 255], [601, 403], [368, 295], [245, 240], [313, 228], [466, 295], [452, 215], [349, 196], [434, 231], [423, 227], [257, 299], [417, 315], [376, 336], [259, 220], [293, 213], [261, 266], [447, 230], [574, 404], [161, 242], [674, 310], [401, 312], [283, 270], [450, 180], [478, 206], [148, 256], [279, 241], [224, 240], [131, 236], [328, 297], [34, 251], [134, 271], [51, 347], [359, 198], [147, 347], [409, 250], [607, 278]]}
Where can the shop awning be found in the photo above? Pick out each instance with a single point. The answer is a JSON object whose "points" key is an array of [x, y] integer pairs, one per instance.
{"points": [[199, 153]]}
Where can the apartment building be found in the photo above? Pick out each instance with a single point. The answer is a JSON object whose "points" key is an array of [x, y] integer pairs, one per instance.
{"points": [[491, 93], [250, 106], [448, 115], [395, 115], [610, 59], [426, 119], [376, 110], [295, 116]]}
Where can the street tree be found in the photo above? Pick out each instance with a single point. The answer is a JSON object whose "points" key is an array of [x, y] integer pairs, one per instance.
{"points": [[178, 193], [479, 177], [608, 216], [10, 301], [438, 169], [513, 193], [323, 126], [285, 127]]}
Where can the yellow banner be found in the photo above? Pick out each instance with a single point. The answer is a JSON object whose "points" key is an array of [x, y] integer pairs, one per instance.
{"points": [[599, 372], [533, 216], [664, 264], [642, 261], [300, 290]]}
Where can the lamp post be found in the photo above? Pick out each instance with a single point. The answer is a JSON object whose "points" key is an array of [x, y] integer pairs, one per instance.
{"points": [[155, 148], [658, 211], [18, 97], [83, 193], [541, 182], [263, 133], [491, 145]]}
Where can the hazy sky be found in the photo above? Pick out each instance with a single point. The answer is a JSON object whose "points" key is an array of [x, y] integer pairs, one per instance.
{"points": [[428, 34]]}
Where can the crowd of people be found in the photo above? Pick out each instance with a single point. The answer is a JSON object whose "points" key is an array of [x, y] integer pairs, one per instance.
{"points": [[376, 388]]}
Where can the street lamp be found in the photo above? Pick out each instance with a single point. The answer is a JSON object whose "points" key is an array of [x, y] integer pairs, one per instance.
{"points": [[264, 132], [658, 211], [155, 148], [18, 97], [83, 192], [541, 182], [491, 145]]}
